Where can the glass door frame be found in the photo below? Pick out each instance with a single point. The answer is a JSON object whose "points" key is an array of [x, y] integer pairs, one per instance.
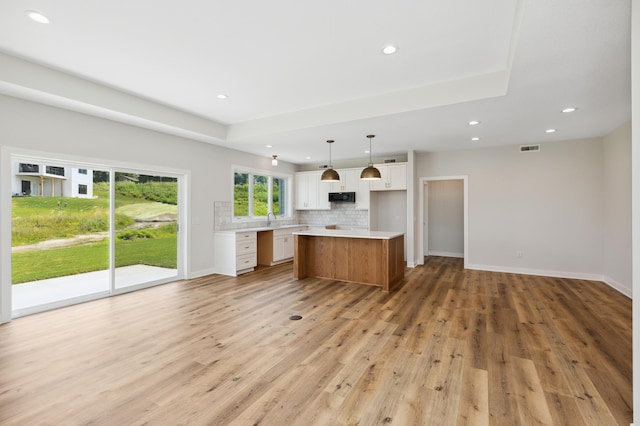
{"points": [[8, 154]]}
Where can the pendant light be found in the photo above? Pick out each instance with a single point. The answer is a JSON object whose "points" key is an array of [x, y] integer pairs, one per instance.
{"points": [[370, 172], [274, 162], [330, 175]]}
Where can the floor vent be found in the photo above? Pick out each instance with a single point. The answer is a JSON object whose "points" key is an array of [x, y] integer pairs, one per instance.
{"points": [[529, 148]]}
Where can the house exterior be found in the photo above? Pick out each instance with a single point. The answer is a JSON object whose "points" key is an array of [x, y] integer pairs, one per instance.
{"points": [[48, 180]]}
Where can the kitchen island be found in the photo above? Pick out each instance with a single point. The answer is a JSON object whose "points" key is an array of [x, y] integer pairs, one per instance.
{"points": [[367, 257]]}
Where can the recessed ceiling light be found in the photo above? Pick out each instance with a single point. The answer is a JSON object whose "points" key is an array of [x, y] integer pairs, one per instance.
{"points": [[222, 96], [389, 50], [550, 131], [37, 16], [308, 158], [475, 139], [570, 109], [269, 146], [367, 151], [474, 122]]}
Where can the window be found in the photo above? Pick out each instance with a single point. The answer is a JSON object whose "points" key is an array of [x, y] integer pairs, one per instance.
{"points": [[82, 171], [82, 189], [257, 194], [53, 170], [29, 168]]}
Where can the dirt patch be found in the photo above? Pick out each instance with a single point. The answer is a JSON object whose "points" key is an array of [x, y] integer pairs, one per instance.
{"points": [[63, 242], [153, 222]]}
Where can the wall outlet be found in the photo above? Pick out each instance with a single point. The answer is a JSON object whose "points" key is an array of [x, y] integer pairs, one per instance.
{"points": [[518, 254]]}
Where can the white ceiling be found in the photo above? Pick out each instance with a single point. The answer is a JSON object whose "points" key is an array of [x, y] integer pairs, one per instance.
{"points": [[299, 73]]}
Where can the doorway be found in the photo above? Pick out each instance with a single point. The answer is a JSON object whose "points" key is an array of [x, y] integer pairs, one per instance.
{"points": [[443, 217]]}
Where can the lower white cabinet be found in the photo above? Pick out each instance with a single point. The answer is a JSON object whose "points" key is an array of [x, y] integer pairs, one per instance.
{"points": [[276, 246], [235, 252]]}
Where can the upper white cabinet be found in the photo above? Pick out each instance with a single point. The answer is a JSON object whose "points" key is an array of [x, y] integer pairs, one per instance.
{"points": [[362, 192], [311, 193], [347, 182], [393, 177]]}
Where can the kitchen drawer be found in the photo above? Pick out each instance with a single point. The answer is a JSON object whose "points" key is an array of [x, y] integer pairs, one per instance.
{"points": [[245, 247], [246, 261], [246, 236]]}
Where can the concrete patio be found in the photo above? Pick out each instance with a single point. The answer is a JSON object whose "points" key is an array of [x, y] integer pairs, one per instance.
{"points": [[37, 293]]}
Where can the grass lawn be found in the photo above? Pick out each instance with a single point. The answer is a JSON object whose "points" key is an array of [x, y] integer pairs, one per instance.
{"points": [[42, 264], [36, 219]]}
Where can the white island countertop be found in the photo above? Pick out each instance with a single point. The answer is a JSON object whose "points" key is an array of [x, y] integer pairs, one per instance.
{"points": [[350, 233]]}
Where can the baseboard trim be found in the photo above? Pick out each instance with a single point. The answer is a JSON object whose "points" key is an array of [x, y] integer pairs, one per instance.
{"points": [[201, 273], [446, 254], [557, 274], [621, 288], [539, 272]]}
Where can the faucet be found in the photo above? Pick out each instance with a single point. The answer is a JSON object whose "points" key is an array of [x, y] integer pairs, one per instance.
{"points": [[269, 220]]}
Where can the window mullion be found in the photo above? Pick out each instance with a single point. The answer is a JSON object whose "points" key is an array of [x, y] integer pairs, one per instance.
{"points": [[250, 207], [270, 195]]}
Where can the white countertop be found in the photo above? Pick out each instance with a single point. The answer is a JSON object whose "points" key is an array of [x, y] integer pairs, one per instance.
{"points": [[350, 233], [268, 228]]}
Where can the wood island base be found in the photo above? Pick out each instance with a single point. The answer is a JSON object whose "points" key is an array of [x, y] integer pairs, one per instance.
{"points": [[378, 262]]}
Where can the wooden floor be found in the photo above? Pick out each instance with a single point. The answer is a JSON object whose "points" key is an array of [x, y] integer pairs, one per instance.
{"points": [[449, 347]]}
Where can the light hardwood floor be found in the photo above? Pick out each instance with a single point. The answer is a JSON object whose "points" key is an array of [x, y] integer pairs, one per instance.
{"points": [[448, 347]]}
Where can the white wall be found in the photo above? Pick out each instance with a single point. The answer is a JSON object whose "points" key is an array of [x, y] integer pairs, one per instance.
{"points": [[33, 126], [617, 209], [388, 212], [546, 205], [445, 218], [635, 198]]}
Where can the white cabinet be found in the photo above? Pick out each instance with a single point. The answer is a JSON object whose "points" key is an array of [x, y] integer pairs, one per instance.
{"points": [[235, 252], [311, 193], [350, 182], [347, 182], [283, 243], [276, 246], [362, 193], [394, 177]]}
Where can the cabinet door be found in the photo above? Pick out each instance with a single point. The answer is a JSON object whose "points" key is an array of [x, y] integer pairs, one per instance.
{"points": [[337, 186], [397, 176], [393, 177], [320, 192], [311, 193], [362, 194], [279, 248], [381, 185], [350, 178], [302, 193], [288, 247]]}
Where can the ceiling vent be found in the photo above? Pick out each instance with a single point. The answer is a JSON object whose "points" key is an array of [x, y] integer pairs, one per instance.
{"points": [[529, 148], [390, 160], [323, 166]]}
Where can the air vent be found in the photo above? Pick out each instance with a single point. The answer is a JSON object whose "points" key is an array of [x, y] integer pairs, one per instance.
{"points": [[323, 166], [529, 148], [390, 160]]}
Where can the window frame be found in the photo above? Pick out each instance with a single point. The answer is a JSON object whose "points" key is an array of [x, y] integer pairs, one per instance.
{"points": [[288, 202]]}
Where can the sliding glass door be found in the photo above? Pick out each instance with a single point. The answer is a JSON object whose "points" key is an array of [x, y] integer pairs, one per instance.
{"points": [[146, 238], [60, 233], [81, 232]]}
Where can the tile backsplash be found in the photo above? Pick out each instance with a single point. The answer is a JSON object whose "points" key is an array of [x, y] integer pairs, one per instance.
{"points": [[344, 214]]}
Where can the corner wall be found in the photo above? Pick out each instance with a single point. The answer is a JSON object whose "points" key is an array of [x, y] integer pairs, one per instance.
{"points": [[546, 205], [617, 258]]}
